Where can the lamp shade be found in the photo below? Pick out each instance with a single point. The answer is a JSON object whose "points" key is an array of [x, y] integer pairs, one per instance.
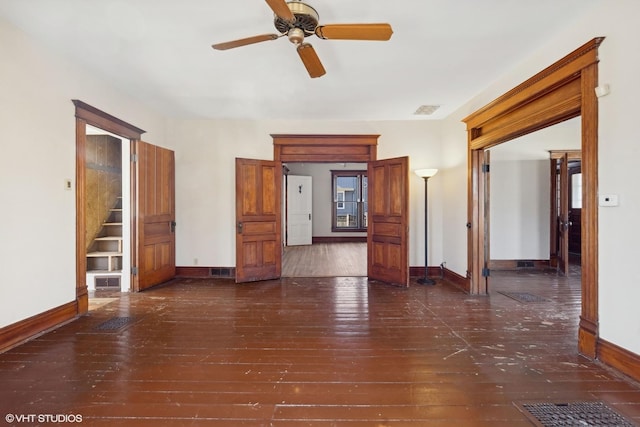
{"points": [[426, 173]]}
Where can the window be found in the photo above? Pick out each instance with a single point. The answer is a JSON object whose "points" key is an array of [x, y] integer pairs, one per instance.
{"points": [[576, 191], [349, 200]]}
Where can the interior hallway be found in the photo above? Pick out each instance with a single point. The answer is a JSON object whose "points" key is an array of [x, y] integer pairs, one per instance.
{"points": [[315, 352]]}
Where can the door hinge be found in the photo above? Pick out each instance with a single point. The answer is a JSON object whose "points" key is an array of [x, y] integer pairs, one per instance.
{"points": [[485, 167], [134, 271], [134, 158], [486, 272]]}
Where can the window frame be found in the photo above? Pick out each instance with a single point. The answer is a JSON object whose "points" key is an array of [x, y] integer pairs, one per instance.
{"points": [[360, 200]]}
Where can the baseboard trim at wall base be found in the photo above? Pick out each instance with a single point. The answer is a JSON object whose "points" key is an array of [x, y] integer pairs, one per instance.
{"points": [[216, 272], [619, 359], [519, 264], [32, 327], [339, 239], [447, 275], [457, 280]]}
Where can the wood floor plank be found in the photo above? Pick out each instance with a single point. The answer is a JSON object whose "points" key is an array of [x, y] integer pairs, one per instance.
{"points": [[315, 352]]}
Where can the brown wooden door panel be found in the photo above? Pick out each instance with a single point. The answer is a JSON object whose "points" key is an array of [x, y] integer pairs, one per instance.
{"points": [[563, 220], [154, 251], [388, 236], [258, 220]]}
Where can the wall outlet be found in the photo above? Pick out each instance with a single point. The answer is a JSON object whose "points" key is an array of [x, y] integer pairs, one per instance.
{"points": [[608, 199], [67, 184]]}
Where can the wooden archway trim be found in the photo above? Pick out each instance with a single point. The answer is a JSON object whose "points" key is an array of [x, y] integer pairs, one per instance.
{"points": [[561, 91], [88, 115], [325, 148]]}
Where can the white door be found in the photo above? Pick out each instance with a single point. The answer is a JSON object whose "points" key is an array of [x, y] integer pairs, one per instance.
{"points": [[299, 205]]}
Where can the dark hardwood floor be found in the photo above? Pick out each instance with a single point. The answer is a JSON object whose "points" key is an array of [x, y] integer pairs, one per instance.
{"points": [[314, 352]]}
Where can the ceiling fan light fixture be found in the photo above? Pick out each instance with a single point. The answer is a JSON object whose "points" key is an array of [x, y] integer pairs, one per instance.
{"points": [[296, 36]]}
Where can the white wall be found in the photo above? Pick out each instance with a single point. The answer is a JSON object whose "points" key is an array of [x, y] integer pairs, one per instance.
{"points": [[519, 209], [519, 193], [618, 153], [322, 193], [205, 190], [37, 139]]}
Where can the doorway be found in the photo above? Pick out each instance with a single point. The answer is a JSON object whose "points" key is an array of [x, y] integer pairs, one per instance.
{"points": [[336, 215], [564, 90], [259, 205], [108, 211]]}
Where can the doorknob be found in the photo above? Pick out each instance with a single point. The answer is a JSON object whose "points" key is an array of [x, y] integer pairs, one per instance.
{"points": [[173, 226]]}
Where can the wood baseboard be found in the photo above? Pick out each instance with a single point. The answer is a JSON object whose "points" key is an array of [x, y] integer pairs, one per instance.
{"points": [[457, 280], [219, 272], [517, 264], [339, 239], [19, 332], [619, 359]]}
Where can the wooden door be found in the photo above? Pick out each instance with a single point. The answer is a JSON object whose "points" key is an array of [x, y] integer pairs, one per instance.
{"points": [[153, 183], [563, 217], [299, 206], [258, 220], [388, 228], [574, 236]]}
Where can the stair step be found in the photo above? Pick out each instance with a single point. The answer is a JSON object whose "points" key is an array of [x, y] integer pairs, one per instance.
{"points": [[107, 238], [105, 254]]}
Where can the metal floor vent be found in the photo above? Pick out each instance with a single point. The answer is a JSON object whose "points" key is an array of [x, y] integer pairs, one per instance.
{"points": [[523, 296], [575, 414], [115, 323]]}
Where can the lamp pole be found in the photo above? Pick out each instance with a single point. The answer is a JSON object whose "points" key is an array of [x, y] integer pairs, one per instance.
{"points": [[426, 174]]}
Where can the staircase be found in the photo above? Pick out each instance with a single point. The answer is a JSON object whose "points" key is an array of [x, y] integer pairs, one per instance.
{"points": [[105, 252]]}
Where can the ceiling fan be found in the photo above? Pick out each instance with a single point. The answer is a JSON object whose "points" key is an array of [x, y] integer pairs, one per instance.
{"points": [[298, 20]]}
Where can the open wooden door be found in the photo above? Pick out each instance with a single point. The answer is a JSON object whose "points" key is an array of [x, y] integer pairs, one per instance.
{"points": [[388, 222], [563, 217], [258, 220], [153, 184]]}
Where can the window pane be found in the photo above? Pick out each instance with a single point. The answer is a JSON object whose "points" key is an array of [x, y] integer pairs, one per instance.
{"points": [[576, 191]]}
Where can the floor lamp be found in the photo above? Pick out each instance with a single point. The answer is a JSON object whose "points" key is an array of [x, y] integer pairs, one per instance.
{"points": [[426, 174]]}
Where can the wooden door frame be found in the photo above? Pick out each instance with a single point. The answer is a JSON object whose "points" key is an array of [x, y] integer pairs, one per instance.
{"points": [[87, 115], [560, 92], [325, 148], [554, 156]]}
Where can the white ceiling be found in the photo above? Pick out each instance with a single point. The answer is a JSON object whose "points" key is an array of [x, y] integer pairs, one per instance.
{"points": [[442, 52]]}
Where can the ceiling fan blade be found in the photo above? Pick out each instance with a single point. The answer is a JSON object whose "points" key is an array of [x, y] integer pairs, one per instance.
{"points": [[310, 60], [245, 41], [281, 9], [379, 32]]}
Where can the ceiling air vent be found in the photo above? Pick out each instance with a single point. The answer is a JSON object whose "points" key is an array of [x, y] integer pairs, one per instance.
{"points": [[426, 110]]}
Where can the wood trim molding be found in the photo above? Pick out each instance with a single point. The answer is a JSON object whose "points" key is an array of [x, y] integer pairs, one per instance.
{"points": [[516, 264], [19, 332], [559, 92], [617, 357], [457, 280], [88, 115], [325, 148], [339, 239], [99, 118]]}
